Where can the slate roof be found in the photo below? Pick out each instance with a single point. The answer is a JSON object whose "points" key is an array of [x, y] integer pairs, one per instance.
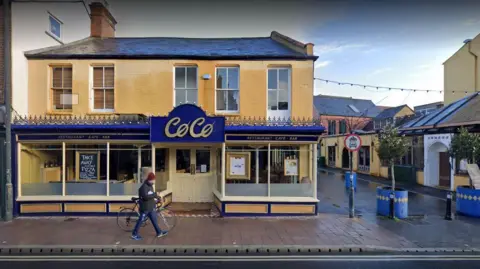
{"points": [[339, 106], [389, 112], [171, 48]]}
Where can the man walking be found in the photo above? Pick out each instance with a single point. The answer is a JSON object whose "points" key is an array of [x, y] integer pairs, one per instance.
{"points": [[147, 204]]}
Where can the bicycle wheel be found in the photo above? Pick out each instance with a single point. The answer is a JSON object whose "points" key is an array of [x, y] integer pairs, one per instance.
{"points": [[127, 218], [166, 219]]}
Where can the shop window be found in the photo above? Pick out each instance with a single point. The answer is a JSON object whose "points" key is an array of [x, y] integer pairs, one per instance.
{"points": [[364, 159], [331, 156], [61, 91], [186, 88], [418, 152], [86, 169], [183, 161], [103, 91], [202, 158], [218, 183], [278, 88], [41, 169], [246, 171], [290, 174], [161, 158], [227, 92]]}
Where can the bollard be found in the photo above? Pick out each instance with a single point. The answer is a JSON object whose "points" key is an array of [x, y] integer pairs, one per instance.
{"points": [[392, 205], [448, 214]]}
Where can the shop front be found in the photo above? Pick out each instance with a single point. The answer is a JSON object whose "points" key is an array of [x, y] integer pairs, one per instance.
{"points": [[68, 165]]}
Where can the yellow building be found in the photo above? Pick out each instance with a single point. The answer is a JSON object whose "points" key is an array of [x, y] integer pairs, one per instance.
{"points": [[462, 71], [224, 121]]}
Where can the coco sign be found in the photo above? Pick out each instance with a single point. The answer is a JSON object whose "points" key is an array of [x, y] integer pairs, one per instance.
{"points": [[353, 142], [187, 124]]}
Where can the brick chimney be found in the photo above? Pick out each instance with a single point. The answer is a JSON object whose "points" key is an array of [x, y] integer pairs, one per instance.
{"points": [[102, 23]]}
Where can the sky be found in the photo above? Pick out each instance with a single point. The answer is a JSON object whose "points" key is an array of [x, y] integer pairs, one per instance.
{"points": [[392, 43]]}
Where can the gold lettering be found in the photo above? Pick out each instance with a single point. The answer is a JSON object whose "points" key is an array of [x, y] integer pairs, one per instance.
{"points": [[185, 128]]}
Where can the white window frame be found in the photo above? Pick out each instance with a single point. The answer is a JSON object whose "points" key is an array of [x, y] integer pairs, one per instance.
{"points": [[52, 89], [289, 89], [174, 83], [92, 89], [49, 32], [226, 111]]}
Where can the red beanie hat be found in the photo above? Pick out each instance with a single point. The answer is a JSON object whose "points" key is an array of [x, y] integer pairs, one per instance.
{"points": [[151, 176]]}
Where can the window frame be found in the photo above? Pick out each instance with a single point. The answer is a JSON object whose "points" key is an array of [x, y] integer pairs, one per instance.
{"points": [[226, 111], [185, 88], [49, 31], [289, 88], [93, 88], [52, 89]]}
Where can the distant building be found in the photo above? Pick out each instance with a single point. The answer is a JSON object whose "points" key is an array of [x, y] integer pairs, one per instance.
{"points": [[428, 108], [391, 116]]}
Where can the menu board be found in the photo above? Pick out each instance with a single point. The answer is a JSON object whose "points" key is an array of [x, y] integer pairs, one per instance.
{"points": [[88, 165], [238, 165], [291, 167]]}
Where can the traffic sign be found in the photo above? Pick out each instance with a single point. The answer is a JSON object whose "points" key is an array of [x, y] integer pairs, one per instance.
{"points": [[353, 142]]}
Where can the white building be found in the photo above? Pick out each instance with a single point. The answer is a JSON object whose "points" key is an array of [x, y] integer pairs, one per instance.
{"points": [[38, 24]]}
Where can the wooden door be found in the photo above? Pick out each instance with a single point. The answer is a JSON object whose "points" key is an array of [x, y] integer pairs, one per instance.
{"points": [[444, 167]]}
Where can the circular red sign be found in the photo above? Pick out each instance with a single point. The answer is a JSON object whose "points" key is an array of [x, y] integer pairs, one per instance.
{"points": [[353, 142]]}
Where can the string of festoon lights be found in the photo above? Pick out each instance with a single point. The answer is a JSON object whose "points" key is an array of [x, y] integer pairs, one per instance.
{"points": [[385, 87]]}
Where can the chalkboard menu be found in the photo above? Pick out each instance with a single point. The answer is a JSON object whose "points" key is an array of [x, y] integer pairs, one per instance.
{"points": [[88, 165]]}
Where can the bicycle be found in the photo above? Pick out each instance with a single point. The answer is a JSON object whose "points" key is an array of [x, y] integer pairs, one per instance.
{"points": [[127, 217]]}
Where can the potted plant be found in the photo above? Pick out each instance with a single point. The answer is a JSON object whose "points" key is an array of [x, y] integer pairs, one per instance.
{"points": [[391, 146], [466, 146]]}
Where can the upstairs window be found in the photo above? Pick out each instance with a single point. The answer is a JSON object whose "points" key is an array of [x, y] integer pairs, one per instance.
{"points": [[186, 88], [343, 126], [332, 127], [54, 27], [227, 92], [61, 90], [103, 88], [278, 88]]}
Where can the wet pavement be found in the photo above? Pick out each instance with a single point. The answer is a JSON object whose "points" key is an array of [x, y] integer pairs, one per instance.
{"points": [[426, 225]]}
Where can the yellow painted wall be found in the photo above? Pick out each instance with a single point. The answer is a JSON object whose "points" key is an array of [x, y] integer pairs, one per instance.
{"points": [[461, 180], [146, 86], [420, 177], [32, 161], [405, 111], [459, 73]]}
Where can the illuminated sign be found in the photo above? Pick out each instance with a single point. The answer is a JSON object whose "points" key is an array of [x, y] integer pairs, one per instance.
{"points": [[187, 124]]}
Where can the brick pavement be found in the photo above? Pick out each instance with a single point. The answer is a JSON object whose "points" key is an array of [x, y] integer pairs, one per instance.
{"points": [[323, 230]]}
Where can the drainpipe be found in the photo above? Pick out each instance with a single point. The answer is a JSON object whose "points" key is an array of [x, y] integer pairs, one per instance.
{"points": [[8, 109], [475, 68]]}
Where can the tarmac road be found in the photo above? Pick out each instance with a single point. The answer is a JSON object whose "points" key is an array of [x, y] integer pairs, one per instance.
{"points": [[220, 262]]}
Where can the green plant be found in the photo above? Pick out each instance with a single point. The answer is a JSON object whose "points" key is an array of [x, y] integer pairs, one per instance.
{"points": [[391, 146], [465, 145]]}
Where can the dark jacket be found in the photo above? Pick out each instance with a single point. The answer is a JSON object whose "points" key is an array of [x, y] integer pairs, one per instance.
{"points": [[147, 197]]}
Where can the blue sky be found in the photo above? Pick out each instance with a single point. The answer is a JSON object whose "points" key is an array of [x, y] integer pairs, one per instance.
{"points": [[396, 43]]}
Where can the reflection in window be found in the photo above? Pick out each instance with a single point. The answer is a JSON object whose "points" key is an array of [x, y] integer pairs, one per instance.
{"points": [[183, 161], [227, 89], [160, 160], [203, 160], [278, 88]]}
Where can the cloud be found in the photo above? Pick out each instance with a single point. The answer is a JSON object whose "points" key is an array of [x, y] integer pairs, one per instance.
{"points": [[425, 66], [379, 71], [322, 64], [336, 47], [472, 21]]}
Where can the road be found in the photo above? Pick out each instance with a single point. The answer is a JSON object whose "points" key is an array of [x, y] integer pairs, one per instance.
{"points": [[285, 262]]}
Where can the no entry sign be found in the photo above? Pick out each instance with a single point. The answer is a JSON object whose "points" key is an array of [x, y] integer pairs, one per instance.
{"points": [[353, 142]]}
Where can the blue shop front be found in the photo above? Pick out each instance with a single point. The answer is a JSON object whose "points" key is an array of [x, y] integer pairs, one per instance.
{"points": [[69, 165]]}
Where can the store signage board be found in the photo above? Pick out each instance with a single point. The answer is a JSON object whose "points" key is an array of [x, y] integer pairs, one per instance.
{"points": [[187, 124], [353, 142], [291, 138], [65, 137]]}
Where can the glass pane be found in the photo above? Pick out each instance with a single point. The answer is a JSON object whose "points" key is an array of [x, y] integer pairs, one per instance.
{"points": [[221, 78], [183, 161], [221, 100], [179, 77], [233, 100], [66, 99], [180, 96], [98, 99], [57, 77], [203, 161], [282, 100], [125, 175], [109, 77], [67, 77], [41, 172], [272, 100], [98, 77], [109, 98], [192, 96], [86, 169], [55, 27], [283, 79], [233, 78], [272, 78], [191, 77], [161, 169]]}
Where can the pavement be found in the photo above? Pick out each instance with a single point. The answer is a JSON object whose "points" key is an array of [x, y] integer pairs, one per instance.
{"points": [[331, 229]]}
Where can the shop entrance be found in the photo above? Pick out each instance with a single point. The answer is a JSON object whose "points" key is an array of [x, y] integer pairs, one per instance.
{"points": [[193, 174], [444, 170]]}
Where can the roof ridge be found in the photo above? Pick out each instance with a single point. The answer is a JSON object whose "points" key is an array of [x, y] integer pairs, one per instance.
{"points": [[183, 37], [46, 49], [342, 97]]}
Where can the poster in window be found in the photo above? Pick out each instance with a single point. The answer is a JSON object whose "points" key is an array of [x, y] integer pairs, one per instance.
{"points": [[291, 167], [238, 165]]}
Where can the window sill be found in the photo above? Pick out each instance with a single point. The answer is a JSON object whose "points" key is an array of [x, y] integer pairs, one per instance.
{"points": [[228, 113], [53, 113], [101, 113]]}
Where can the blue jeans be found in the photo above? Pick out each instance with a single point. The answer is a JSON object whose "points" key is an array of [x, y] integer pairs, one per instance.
{"points": [[152, 215]]}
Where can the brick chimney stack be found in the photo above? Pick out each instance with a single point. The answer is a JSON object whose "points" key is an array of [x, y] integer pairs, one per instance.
{"points": [[102, 22]]}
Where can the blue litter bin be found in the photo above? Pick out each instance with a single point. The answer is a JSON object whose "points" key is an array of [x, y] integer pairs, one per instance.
{"points": [[347, 180]]}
